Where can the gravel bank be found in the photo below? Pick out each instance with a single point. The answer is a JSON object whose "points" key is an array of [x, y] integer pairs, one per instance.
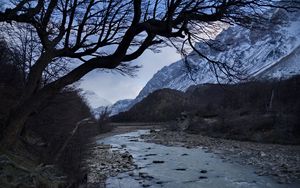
{"points": [[105, 162]]}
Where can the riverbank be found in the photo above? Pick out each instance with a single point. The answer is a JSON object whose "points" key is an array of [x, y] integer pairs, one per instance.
{"points": [[105, 160], [282, 162], [148, 164], [121, 128]]}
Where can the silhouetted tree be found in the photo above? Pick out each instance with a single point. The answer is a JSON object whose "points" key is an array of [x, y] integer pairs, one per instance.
{"points": [[108, 34], [104, 121]]}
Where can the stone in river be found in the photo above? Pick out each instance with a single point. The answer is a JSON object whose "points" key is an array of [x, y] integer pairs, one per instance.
{"points": [[202, 177], [158, 161], [181, 169]]}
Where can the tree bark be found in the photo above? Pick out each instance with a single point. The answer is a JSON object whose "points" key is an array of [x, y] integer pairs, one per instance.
{"points": [[32, 97], [20, 113], [18, 116], [35, 75], [14, 124]]}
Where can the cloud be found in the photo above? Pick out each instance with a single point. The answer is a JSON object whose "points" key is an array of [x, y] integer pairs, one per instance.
{"points": [[114, 87]]}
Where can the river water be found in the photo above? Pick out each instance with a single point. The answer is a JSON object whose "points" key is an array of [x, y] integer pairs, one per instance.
{"points": [[179, 167]]}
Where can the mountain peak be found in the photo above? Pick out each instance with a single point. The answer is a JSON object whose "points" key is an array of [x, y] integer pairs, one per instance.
{"points": [[260, 53]]}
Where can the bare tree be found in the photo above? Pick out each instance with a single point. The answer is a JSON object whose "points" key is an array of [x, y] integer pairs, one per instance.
{"points": [[108, 34], [21, 39]]}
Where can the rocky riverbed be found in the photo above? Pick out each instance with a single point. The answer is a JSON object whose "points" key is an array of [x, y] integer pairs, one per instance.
{"points": [[105, 162], [147, 158], [282, 162]]}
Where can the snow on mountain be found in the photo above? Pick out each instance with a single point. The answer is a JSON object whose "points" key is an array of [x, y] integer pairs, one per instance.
{"points": [[119, 106], [94, 100], [289, 65], [261, 53], [256, 51]]}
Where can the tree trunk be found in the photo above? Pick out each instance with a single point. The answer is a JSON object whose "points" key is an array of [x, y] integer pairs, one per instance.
{"points": [[271, 101], [31, 101], [17, 118], [14, 125], [32, 97]]}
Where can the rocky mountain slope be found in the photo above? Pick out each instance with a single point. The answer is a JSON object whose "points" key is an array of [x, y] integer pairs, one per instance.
{"points": [[258, 51], [272, 52]]}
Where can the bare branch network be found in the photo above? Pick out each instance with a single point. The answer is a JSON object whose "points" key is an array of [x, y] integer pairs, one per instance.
{"points": [[109, 34]]}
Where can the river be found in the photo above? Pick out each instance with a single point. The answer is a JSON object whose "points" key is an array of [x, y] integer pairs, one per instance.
{"points": [[176, 167]]}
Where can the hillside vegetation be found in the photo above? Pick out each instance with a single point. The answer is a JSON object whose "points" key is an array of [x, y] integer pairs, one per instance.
{"points": [[264, 111]]}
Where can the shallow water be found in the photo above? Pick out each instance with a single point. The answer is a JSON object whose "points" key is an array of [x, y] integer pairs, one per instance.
{"points": [[178, 167]]}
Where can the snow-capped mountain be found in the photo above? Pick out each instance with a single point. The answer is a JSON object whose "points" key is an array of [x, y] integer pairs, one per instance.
{"points": [[271, 52], [119, 106], [94, 100], [289, 65], [255, 50], [258, 52]]}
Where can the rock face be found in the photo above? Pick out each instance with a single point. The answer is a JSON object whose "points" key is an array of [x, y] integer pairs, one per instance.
{"points": [[288, 65], [272, 52]]}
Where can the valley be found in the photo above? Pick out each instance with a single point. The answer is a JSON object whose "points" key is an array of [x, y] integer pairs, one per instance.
{"points": [[85, 104]]}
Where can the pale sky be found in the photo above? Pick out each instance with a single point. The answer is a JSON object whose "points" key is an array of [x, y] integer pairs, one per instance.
{"points": [[114, 87]]}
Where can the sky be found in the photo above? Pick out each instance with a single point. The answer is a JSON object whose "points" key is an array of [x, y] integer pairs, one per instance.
{"points": [[114, 86]]}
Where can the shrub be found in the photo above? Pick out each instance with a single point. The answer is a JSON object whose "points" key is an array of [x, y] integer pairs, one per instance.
{"points": [[103, 122]]}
